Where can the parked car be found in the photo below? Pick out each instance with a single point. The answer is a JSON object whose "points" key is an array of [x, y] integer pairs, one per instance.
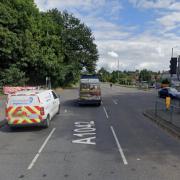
{"points": [[168, 91], [33, 107]]}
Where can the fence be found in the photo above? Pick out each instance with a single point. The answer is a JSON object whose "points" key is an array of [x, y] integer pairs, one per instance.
{"points": [[172, 115]]}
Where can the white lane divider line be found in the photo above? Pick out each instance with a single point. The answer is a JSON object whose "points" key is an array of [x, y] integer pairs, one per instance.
{"points": [[106, 112], [119, 147], [115, 102], [40, 150]]}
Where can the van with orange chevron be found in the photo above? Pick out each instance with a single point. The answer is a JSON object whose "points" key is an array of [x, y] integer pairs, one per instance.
{"points": [[32, 107]]}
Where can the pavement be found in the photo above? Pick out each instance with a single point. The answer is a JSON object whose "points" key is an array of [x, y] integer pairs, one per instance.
{"points": [[2, 109], [112, 142]]}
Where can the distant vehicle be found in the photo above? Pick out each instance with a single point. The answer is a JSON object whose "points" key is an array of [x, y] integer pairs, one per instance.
{"points": [[33, 107], [90, 90], [168, 91]]}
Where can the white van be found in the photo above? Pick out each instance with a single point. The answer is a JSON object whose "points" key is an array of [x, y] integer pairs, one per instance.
{"points": [[33, 107]]}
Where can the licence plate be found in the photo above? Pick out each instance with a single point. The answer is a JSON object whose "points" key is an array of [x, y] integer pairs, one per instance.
{"points": [[33, 116]]}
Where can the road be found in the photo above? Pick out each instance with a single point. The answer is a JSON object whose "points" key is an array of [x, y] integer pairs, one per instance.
{"points": [[111, 142]]}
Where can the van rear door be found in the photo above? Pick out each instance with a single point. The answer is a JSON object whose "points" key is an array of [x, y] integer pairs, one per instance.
{"points": [[23, 109]]}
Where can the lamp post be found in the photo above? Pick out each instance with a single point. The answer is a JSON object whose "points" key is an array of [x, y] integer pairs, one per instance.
{"points": [[118, 70]]}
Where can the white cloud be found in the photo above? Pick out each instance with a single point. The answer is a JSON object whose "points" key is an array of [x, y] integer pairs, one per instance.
{"points": [[144, 51], [170, 21], [113, 54], [159, 4], [116, 42]]}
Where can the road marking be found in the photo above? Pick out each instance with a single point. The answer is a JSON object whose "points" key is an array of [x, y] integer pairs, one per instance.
{"points": [[65, 110], [85, 141], [119, 147], [40, 150], [115, 102], [85, 132], [106, 112]]}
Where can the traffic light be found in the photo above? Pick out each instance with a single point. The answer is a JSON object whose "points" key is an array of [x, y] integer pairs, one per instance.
{"points": [[173, 65]]}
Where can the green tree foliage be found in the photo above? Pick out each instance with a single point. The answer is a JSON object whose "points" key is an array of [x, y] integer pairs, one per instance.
{"points": [[13, 76], [145, 75], [104, 75], [39, 44], [127, 77]]}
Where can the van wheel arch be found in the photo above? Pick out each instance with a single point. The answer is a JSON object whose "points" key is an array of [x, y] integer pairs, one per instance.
{"points": [[47, 121]]}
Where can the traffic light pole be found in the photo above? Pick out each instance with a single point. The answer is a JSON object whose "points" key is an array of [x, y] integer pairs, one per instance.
{"points": [[178, 68]]}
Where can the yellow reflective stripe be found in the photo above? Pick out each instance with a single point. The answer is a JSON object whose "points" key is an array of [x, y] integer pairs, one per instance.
{"points": [[11, 111], [25, 110], [37, 120], [11, 121], [20, 121], [35, 110]]}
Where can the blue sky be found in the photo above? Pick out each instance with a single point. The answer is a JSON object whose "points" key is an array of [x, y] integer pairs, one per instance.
{"points": [[138, 33]]}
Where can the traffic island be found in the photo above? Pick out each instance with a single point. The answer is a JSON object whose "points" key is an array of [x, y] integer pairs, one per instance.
{"points": [[162, 122]]}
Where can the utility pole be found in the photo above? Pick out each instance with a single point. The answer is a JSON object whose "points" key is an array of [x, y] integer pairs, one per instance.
{"points": [[178, 68], [118, 70]]}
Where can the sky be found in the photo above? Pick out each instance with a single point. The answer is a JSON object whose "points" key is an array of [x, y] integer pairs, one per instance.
{"points": [[138, 33]]}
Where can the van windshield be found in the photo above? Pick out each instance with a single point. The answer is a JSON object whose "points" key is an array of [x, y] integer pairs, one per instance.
{"points": [[23, 100]]}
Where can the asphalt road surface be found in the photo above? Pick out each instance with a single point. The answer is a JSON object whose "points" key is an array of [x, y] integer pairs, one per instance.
{"points": [[111, 142]]}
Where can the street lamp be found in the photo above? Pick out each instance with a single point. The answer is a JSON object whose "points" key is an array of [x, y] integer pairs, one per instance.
{"points": [[173, 50], [118, 70]]}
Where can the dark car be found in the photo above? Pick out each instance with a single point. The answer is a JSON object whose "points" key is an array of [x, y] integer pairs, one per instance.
{"points": [[168, 91]]}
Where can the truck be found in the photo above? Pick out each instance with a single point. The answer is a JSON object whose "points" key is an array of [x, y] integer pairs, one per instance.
{"points": [[90, 90]]}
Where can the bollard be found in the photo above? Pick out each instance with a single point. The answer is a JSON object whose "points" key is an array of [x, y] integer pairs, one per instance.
{"points": [[168, 103]]}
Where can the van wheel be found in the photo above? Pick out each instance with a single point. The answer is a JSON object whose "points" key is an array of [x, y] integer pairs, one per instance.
{"points": [[12, 128], [59, 109], [47, 122], [99, 103]]}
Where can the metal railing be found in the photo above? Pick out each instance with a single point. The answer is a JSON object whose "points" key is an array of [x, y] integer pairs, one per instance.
{"points": [[172, 115]]}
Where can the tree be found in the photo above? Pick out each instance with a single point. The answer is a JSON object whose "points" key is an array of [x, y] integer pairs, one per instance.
{"points": [[104, 75], [13, 76], [40, 44], [145, 75]]}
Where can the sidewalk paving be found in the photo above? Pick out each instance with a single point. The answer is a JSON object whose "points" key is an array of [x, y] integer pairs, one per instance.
{"points": [[163, 120], [2, 109]]}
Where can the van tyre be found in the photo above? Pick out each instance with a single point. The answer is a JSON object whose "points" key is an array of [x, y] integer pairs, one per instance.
{"points": [[12, 128], [47, 122], [99, 103], [59, 109]]}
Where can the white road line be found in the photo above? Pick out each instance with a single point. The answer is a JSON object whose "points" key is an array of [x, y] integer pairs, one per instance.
{"points": [[40, 150], [119, 147], [115, 102], [106, 112]]}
